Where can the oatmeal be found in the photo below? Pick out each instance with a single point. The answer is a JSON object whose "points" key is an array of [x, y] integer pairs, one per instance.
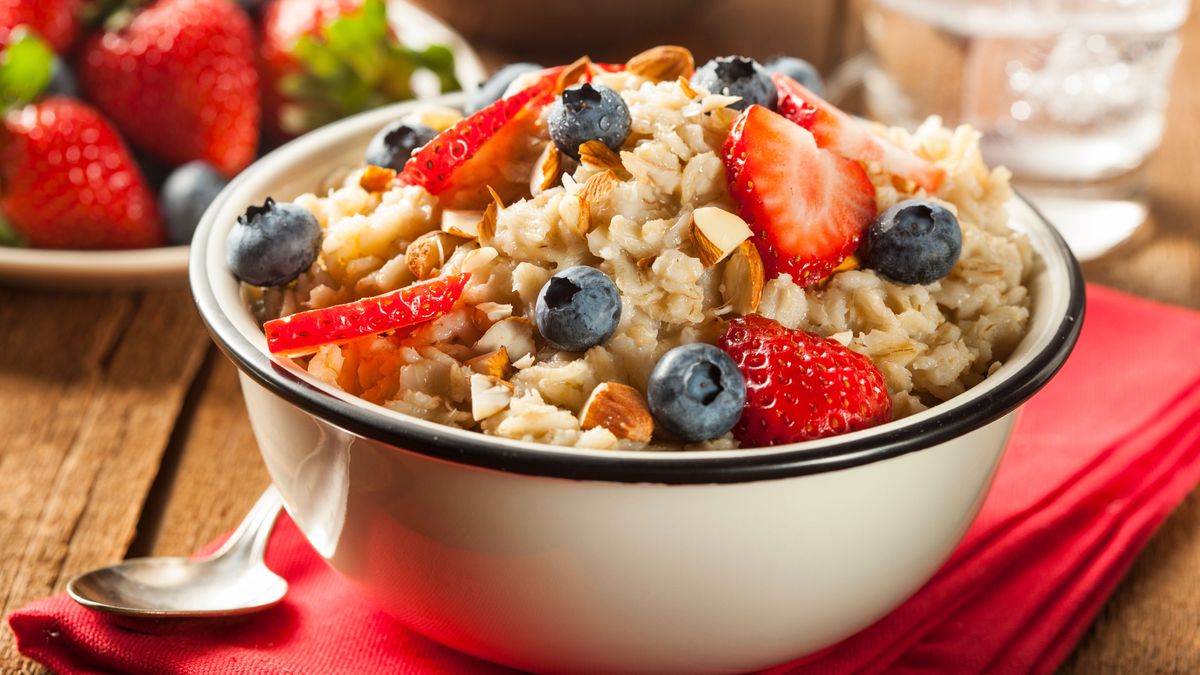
{"points": [[679, 217]]}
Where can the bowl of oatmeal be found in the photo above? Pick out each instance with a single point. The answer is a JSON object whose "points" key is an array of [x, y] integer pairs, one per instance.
{"points": [[643, 367]]}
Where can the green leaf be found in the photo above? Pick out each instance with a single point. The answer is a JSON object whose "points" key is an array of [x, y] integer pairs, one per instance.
{"points": [[355, 63], [25, 68]]}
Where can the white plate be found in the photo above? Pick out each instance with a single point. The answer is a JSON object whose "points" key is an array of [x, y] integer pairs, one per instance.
{"points": [[167, 266]]}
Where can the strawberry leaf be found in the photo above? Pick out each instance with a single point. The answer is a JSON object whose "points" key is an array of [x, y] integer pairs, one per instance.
{"points": [[25, 68], [355, 63]]}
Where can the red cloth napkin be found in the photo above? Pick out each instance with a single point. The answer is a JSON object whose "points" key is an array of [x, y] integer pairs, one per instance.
{"points": [[1099, 458]]}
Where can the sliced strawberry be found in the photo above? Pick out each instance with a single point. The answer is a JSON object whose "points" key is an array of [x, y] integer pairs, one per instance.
{"points": [[496, 147], [801, 386], [303, 332], [850, 138], [808, 207]]}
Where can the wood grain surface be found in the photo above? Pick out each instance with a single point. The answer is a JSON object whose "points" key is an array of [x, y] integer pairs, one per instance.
{"points": [[124, 433]]}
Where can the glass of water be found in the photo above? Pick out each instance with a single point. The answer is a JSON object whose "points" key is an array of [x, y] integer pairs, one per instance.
{"points": [[1069, 94]]}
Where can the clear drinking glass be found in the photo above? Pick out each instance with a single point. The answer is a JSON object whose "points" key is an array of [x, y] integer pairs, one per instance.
{"points": [[1069, 94]]}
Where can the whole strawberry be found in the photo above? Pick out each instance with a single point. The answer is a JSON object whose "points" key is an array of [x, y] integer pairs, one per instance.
{"points": [[69, 182], [800, 386], [325, 59], [179, 80], [55, 21]]}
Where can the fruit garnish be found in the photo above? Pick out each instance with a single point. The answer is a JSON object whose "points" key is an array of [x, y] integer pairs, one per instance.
{"points": [[806, 206], [801, 386], [178, 78], [578, 308], [272, 244], [587, 112], [841, 133], [326, 59], [737, 76], [186, 195], [485, 149], [914, 242], [696, 392], [304, 332], [66, 178]]}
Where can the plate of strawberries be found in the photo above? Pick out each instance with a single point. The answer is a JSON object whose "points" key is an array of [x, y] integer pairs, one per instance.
{"points": [[123, 119]]}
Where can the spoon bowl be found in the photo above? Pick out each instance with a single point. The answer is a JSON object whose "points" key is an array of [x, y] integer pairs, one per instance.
{"points": [[233, 580]]}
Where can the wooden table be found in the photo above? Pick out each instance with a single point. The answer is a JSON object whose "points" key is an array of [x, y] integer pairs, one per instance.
{"points": [[124, 433]]}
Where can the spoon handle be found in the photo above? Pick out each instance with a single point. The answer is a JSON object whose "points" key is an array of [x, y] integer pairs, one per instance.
{"points": [[250, 539]]}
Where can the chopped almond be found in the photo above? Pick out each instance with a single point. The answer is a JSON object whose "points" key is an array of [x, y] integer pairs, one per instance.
{"points": [[662, 63], [495, 364], [428, 252], [463, 224], [489, 395], [620, 409], [376, 178], [514, 333], [743, 279], [717, 233]]}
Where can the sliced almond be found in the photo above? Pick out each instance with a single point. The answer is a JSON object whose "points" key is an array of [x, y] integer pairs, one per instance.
{"points": [[573, 73], [599, 156], [489, 395], [496, 364], [376, 178], [575, 210], [487, 223], [685, 85], [429, 252], [717, 233], [463, 224], [596, 192], [620, 409], [546, 170], [514, 334], [662, 63], [494, 311], [743, 279]]}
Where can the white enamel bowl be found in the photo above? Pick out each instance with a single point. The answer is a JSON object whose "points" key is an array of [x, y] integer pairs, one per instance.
{"points": [[574, 561]]}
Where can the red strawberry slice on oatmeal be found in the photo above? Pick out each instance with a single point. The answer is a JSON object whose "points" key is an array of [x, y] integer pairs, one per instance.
{"points": [[495, 147], [304, 332], [807, 207], [841, 133]]}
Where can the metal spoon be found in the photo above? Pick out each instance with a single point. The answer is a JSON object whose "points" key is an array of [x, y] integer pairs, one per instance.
{"points": [[233, 580]]}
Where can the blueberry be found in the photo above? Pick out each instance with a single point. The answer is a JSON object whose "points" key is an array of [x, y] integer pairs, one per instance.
{"points": [[395, 143], [588, 112], [185, 197], [272, 244], [578, 308], [738, 76], [799, 70], [493, 88], [914, 242], [696, 392], [62, 80]]}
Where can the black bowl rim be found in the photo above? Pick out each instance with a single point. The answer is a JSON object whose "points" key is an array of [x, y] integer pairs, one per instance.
{"points": [[489, 452]]}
